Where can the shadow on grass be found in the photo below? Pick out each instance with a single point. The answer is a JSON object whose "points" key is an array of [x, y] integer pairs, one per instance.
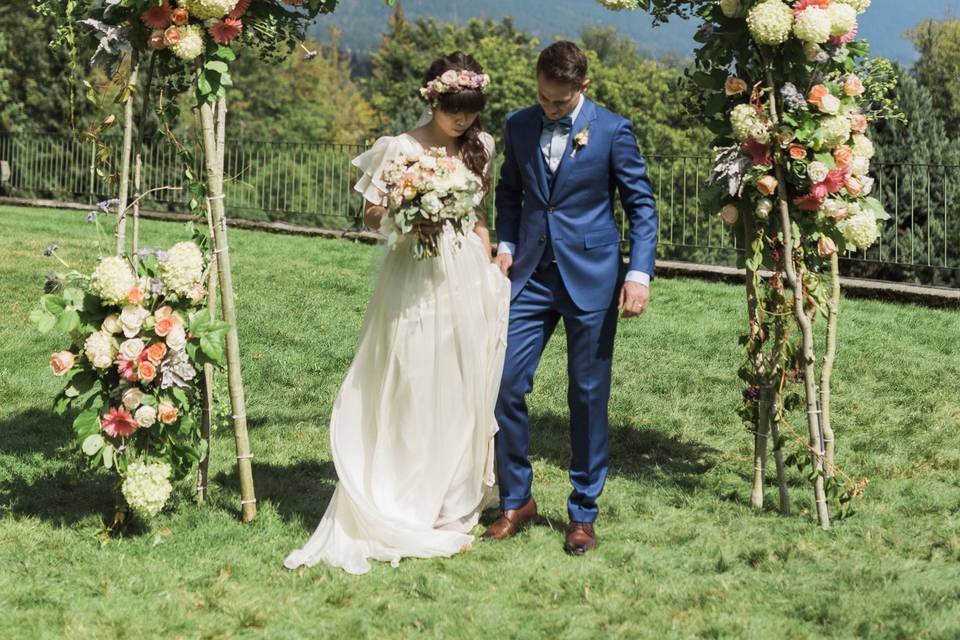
{"points": [[58, 489], [639, 454], [299, 492]]}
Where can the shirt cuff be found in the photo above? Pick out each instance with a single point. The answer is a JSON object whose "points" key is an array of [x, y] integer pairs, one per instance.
{"points": [[638, 276], [508, 247]]}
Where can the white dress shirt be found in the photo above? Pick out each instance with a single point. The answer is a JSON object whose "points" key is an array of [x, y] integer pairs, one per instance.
{"points": [[552, 145]]}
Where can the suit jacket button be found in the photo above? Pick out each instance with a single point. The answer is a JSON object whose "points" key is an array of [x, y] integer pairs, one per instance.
{"points": [[543, 239], [549, 209]]}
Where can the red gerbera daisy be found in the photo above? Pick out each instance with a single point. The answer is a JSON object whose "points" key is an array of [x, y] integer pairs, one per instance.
{"points": [[240, 9], [118, 423], [226, 30], [158, 17]]}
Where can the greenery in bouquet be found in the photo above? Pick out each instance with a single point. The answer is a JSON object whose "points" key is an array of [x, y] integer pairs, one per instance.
{"points": [[431, 191], [139, 335]]}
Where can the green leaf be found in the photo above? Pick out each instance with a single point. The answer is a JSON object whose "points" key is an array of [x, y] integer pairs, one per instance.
{"points": [[212, 347], [68, 321], [44, 320], [216, 65], [86, 423], [225, 53], [92, 444], [108, 457], [74, 297], [53, 304]]}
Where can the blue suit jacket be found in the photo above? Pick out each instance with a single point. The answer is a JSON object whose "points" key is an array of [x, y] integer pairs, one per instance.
{"points": [[578, 209]]}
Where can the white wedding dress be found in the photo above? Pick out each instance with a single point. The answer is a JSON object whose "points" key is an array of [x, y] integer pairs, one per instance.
{"points": [[412, 427]]}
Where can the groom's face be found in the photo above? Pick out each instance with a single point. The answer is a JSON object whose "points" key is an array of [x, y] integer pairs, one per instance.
{"points": [[558, 99]]}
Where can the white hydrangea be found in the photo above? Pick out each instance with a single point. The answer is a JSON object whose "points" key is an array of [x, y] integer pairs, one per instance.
{"points": [[99, 349], [183, 268], [743, 118], [147, 487], [191, 42], [833, 132], [860, 166], [112, 280], [843, 18], [770, 22], [858, 5], [620, 5], [860, 229], [729, 8], [813, 25], [206, 9], [862, 147]]}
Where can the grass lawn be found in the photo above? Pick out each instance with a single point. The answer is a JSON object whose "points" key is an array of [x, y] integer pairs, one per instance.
{"points": [[681, 553]]}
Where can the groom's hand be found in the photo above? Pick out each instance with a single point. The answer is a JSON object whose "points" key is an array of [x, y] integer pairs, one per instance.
{"points": [[504, 261], [634, 298]]}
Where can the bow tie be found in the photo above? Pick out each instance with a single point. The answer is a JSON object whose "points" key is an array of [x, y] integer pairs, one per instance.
{"points": [[564, 124]]}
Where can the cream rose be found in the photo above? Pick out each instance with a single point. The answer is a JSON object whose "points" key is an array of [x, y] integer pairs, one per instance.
{"points": [[145, 416], [177, 338], [132, 348], [132, 398], [132, 318], [111, 324], [817, 171]]}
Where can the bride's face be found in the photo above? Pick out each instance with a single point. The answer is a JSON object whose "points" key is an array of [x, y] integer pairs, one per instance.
{"points": [[454, 124]]}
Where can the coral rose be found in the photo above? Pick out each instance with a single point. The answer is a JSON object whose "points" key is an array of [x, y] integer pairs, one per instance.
{"points": [[842, 155], [147, 371], [853, 186], [180, 16], [858, 123], [156, 352], [817, 92], [734, 86], [853, 86], [797, 152]]}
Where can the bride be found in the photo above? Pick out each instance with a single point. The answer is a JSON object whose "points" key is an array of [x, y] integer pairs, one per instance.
{"points": [[412, 427]]}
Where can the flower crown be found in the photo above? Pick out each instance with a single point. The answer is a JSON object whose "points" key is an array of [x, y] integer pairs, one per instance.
{"points": [[453, 81]]}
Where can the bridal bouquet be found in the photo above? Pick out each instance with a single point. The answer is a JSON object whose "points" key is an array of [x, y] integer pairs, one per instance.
{"points": [[138, 336], [432, 189]]}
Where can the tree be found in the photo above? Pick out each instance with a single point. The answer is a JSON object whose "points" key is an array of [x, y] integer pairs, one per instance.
{"points": [[938, 69]]}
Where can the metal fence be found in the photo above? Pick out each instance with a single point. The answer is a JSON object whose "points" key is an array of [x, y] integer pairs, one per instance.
{"points": [[311, 184]]}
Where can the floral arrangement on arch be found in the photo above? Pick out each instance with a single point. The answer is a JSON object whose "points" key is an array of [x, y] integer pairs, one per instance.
{"points": [[138, 338]]}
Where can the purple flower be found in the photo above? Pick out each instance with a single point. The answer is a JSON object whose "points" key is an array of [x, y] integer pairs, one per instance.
{"points": [[162, 255], [795, 101], [788, 89], [104, 205], [146, 251], [751, 393], [156, 286]]}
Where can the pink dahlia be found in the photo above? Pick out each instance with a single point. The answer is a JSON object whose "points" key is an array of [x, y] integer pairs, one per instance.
{"points": [[801, 5], [226, 30], [118, 423], [845, 38], [836, 178], [127, 368], [240, 9], [158, 17]]}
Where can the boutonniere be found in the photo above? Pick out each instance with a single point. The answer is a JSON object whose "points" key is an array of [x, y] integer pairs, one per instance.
{"points": [[580, 140]]}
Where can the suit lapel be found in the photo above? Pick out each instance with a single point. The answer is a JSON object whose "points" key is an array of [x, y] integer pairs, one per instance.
{"points": [[535, 162], [588, 113]]}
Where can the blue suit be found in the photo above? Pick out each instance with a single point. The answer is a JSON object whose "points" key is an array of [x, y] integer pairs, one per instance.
{"points": [[567, 265]]}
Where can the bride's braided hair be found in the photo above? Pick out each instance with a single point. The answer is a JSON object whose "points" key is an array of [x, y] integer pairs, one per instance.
{"points": [[472, 149]]}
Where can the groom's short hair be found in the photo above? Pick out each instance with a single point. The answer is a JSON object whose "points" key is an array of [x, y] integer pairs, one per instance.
{"points": [[563, 61]]}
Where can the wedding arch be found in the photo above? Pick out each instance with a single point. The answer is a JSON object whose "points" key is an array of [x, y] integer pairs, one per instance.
{"points": [[785, 87]]}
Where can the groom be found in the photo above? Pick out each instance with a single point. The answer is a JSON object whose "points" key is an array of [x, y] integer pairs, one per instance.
{"points": [[560, 246]]}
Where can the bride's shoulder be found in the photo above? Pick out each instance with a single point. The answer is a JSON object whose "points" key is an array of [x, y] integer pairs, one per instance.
{"points": [[488, 142]]}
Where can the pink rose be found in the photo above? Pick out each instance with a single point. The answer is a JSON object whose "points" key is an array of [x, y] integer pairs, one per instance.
{"points": [[858, 123], [61, 362], [819, 191], [853, 186], [734, 86], [852, 86], [826, 246]]}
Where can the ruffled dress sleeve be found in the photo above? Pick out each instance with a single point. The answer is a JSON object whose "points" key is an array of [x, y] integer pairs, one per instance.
{"points": [[490, 146], [372, 162]]}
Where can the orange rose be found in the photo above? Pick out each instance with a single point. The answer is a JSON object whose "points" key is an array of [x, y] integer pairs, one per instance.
{"points": [[854, 186], [797, 152], [135, 295], [164, 326], [167, 412], [767, 185], [180, 16], [163, 312], [842, 155], [156, 351], [817, 92], [147, 371], [858, 123], [61, 362]]}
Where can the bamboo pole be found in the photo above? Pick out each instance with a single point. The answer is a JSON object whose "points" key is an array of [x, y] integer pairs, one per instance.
{"points": [[755, 329], [138, 156], [833, 313], [221, 249], [121, 231], [803, 321], [206, 424]]}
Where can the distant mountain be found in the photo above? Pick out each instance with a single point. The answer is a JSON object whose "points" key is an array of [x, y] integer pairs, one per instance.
{"points": [[363, 21]]}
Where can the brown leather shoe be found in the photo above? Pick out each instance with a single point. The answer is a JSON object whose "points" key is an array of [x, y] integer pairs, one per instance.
{"points": [[580, 538], [511, 521]]}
